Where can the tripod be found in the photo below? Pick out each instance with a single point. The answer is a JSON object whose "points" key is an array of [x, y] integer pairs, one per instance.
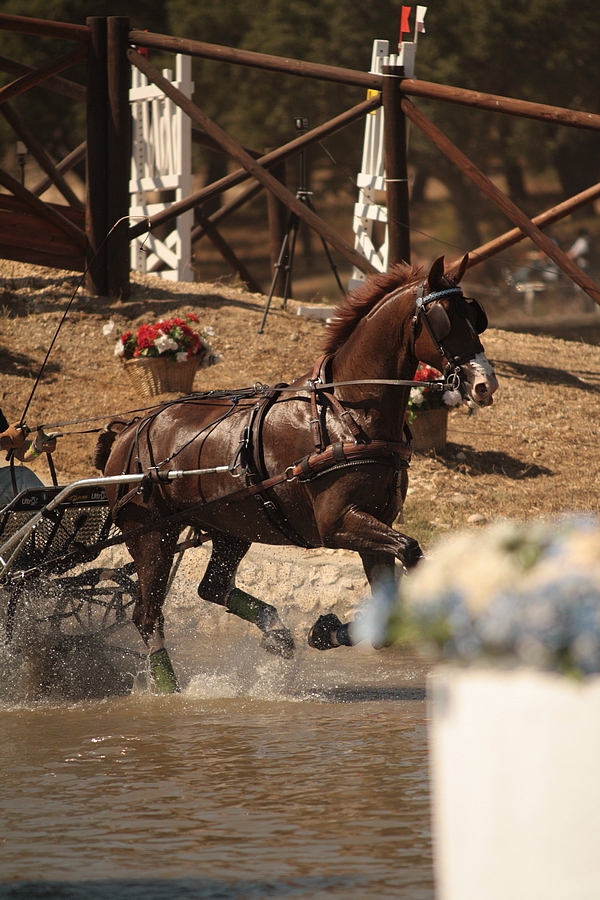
{"points": [[288, 245]]}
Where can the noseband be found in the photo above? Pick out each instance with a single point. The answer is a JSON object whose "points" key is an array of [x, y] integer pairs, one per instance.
{"points": [[436, 321]]}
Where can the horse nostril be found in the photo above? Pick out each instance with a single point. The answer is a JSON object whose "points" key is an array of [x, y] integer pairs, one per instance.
{"points": [[481, 389]]}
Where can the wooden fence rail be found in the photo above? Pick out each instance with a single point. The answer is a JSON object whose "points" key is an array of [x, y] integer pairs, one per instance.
{"points": [[44, 27], [501, 200], [413, 87], [106, 42]]}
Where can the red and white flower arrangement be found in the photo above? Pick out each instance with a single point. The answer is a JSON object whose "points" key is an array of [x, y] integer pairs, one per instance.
{"points": [[422, 398], [173, 339]]}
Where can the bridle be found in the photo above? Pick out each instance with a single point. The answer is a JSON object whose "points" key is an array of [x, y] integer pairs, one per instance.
{"points": [[436, 321]]}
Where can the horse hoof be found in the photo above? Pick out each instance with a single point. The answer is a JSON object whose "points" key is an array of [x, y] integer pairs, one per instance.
{"points": [[279, 642], [319, 636]]}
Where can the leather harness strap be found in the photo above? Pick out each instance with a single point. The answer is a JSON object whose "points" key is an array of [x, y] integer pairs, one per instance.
{"points": [[312, 466], [327, 396], [315, 422], [256, 468], [324, 459]]}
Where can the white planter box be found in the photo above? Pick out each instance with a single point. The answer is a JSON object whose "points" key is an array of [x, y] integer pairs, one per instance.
{"points": [[515, 766]]}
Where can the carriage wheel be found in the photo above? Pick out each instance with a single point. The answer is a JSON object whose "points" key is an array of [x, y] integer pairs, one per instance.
{"points": [[93, 604], [71, 632]]}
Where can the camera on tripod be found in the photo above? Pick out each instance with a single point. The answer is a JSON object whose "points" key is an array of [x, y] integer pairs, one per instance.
{"points": [[288, 246]]}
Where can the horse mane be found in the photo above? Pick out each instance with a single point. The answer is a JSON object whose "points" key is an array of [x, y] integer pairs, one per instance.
{"points": [[359, 303]]}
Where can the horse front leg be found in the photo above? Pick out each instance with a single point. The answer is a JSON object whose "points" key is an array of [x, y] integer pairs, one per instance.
{"points": [[153, 556], [218, 586], [362, 532], [378, 546]]}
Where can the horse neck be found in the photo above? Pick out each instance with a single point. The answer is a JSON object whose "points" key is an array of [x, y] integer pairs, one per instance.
{"points": [[379, 348]]}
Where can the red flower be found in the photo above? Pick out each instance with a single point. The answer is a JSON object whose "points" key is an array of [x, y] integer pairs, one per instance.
{"points": [[427, 373], [143, 341]]}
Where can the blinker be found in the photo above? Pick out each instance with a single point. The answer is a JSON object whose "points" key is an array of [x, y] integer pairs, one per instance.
{"points": [[441, 323], [481, 319]]}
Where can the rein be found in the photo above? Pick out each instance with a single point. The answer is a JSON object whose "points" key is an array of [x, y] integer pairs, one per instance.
{"points": [[317, 386], [256, 390]]}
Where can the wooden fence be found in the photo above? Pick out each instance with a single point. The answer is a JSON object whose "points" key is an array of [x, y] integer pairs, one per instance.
{"points": [[111, 47]]}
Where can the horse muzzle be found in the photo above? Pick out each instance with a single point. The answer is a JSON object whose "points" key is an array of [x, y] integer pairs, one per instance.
{"points": [[480, 382]]}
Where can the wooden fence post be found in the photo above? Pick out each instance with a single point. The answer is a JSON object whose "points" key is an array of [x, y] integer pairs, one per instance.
{"points": [[396, 170], [118, 156], [96, 216]]}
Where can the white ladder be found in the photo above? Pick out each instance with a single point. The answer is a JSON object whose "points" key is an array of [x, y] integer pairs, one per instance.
{"points": [[161, 161], [371, 177]]}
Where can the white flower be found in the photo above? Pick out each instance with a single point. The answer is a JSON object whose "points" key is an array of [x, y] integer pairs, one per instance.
{"points": [[181, 356], [108, 328], [526, 592], [164, 343], [417, 396], [452, 398], [209, 330], [119, 348]]}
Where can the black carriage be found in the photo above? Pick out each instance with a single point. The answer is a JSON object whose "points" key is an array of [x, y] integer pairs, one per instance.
{"points": [[53, 594]]}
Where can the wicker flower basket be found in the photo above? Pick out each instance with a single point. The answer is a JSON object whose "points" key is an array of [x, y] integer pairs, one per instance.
{"points": [[152, 376], [430, 429]]}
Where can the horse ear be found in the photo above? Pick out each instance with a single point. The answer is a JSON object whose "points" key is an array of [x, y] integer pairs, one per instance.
{"points": [[436, 273], [464, 263]]}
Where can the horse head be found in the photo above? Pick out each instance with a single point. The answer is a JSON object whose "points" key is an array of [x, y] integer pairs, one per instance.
{"points": [[445, 333]]}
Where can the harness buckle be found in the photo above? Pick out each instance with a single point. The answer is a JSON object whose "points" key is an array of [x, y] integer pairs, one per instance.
{"points": [[453, 380], [288, 476]]}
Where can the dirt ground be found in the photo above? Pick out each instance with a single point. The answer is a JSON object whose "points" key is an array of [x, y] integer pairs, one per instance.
{"points": [[533, 453]]}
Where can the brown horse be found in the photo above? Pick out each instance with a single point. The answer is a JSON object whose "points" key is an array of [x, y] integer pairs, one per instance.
{"points": [[318, 463]]}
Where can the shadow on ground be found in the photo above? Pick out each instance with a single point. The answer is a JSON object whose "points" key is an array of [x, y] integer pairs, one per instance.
{"points": [[12, 363], [489, 462], [546, 375]]}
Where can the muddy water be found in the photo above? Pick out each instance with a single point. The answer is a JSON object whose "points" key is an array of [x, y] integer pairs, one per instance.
{"points": [[262, 779]]}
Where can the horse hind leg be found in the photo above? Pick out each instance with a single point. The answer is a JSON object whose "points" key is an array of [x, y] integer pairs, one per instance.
{"points": [[153, 555], [218, 586]]}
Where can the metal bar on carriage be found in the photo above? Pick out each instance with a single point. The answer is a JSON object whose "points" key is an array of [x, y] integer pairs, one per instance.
{"points": [[16, 540]]}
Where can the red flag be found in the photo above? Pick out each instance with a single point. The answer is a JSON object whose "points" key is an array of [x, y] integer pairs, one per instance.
{"points": [[404, 16], [143, 51]]}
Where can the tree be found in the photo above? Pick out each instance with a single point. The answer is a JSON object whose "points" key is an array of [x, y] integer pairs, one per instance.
{"points": [[530, 49], [56, 121]]}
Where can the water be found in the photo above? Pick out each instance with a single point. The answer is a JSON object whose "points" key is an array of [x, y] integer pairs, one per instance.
{"points": [[262, 779]]}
